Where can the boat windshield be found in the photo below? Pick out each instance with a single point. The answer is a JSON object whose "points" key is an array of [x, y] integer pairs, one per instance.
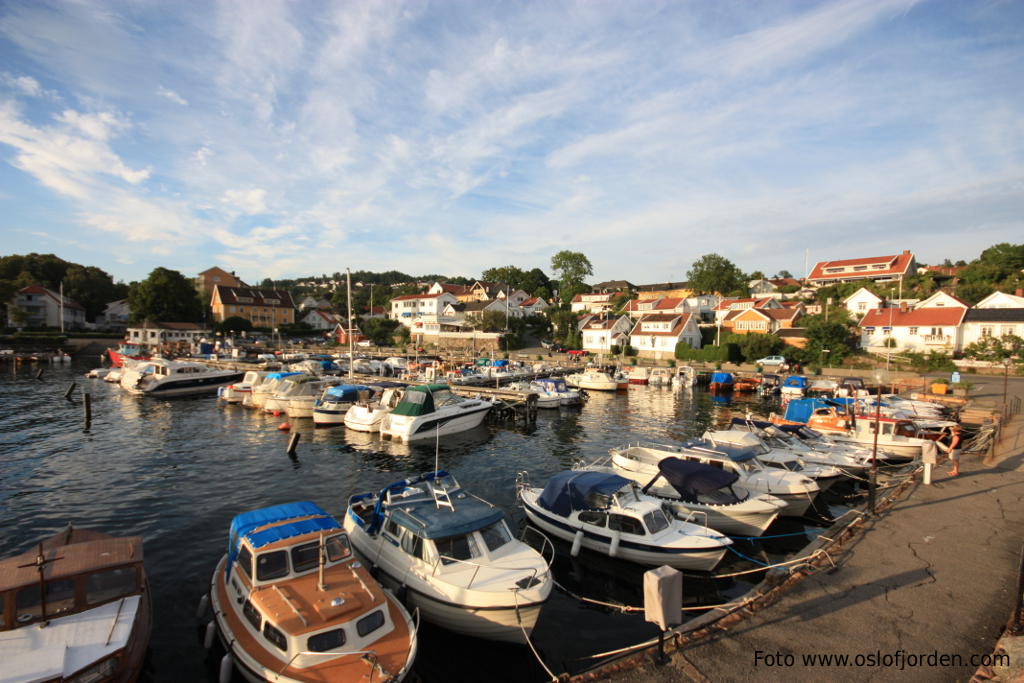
{"points": [[496, 535], [656, 521], [455, 548]]}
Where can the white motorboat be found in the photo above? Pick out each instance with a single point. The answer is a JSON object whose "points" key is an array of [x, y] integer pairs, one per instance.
{"points": [[796, 490], [238, 391], [367, 415], [849, 460], [684, 377], [331, 406], [114, 376], [429, 411], [277, 402], [777, 455], [545, 398], [306, 396], [596, 380], [556, 386], [292, 603], [794, 386], [453, 556], [99, 373], [660, 377], [699, 492], [161, 377], [607, 513], [261, 392], [639, 374]]}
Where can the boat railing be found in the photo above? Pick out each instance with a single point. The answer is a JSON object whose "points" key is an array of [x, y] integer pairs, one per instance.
{"points": [[545, 543], [689, 517], [369, 655], [477, 567]]}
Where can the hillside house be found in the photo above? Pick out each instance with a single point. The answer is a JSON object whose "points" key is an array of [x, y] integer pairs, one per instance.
{"points": [[656, 336]]}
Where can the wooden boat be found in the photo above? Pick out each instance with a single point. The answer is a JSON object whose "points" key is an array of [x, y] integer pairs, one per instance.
{"points": [[721, 382], [745, 384], [76, 607], [292, 603]]}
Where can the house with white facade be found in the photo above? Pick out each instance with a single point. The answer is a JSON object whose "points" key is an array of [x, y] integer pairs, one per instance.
{"points": [[656, 336], [409, 309], [167, 335], [861, 301], [594, 303], [37, 306], [321, 320], [703, 306], [534, 306], [116, 315], [727, 306], [1002, 300], [637, 308], [935, 327], [600, 334], [980, 323]]}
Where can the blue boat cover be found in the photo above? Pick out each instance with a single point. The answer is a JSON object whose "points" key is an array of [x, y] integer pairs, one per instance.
{"points": [[568, 491], [421, 514], [799, 410], [796, 381], [346, 392], [242, 525], [691, 479], [731, 451], [279, 375], [553, 383], [721, 378]]}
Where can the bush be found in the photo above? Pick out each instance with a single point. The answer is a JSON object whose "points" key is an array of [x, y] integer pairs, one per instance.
{"points": [[671, 363], [709, 354], [615, 350]]}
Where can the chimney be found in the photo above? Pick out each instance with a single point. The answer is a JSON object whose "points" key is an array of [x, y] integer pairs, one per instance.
{"points": [[903, 307], [1019, 292], [906, 251]]}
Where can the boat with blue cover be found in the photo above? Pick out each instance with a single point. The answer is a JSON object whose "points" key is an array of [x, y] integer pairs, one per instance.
{"points": [[608, 514], [330, 408], [721, 382], [430, 411], [291, 602], [794, 385], [452, 555], [265, 389]]}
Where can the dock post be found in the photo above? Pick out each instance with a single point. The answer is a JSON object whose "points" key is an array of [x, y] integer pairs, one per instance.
{"points": [[39, 375], [87, 408], [293, 443], [71, 388]]}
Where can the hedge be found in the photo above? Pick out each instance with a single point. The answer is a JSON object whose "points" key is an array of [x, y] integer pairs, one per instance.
{"points": [[709, 354]]}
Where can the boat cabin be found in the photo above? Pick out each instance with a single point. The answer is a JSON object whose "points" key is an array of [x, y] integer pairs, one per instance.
{"points": [[302, 594], [602, 500]]}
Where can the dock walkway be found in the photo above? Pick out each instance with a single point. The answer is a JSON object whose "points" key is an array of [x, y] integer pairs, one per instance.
{"points": [[935, 574]]}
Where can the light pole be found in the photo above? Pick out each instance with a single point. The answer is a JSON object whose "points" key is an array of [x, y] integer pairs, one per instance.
{"points": [[880, 378], [826, 352]]}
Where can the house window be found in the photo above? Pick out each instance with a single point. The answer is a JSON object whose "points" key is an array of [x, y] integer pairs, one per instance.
{"points": [[936, 331], [913, 331], [1007, 330], [862, 306], [986, 330]]}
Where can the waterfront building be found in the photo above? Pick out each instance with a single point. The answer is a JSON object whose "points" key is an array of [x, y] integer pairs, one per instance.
{"points": [[262, 307], [37, 306]]}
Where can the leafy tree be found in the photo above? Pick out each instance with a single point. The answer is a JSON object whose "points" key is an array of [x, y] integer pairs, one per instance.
{"points": [[167, 296], [619, 301], [380, 331], [509, 275], [783, 273], [832, 335], [536, 283], [1006, 350], [490, 321], [973, 292], [713, 273], [756, 275], [571, 267], [1006, 256], [93, 288], [754, 346]]}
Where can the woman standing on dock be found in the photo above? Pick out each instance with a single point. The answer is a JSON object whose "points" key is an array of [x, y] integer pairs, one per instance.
{"points": [[952, 448]]}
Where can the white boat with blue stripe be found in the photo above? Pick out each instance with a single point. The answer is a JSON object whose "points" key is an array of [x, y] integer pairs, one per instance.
{"points": [[609, 514]]}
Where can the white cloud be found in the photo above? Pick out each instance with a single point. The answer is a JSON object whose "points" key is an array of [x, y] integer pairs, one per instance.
{"points": [[250, 201], [26, 85], [169, 94]]}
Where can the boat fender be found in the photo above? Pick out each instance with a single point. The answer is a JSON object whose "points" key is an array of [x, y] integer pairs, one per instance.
{"points": [[613, 549], [284, 426], [211, 631], [577, 541], [227, 664], [204, 602]]}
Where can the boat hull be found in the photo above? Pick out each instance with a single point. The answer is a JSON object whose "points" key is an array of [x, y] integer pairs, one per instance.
{"points": [[188, 387], [432, 426]]}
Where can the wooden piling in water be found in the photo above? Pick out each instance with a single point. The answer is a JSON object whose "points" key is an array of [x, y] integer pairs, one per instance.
{"points": [[293, 443], [71, 389], [87, 408], [39, 375]]}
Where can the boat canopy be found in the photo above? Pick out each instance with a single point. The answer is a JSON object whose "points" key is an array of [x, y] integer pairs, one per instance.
{"points": [[553, 383], [798, 381], [346, 392], [731, 451], [800, 410], [572, 490], [691, 479], [721, 378], [416, 509], [244, 524], [280, 375], [418, 400]]}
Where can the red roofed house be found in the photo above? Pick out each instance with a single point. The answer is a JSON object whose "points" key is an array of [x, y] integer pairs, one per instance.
{"points": [[460, 292], [261, 307], [38, 306], [761, 320], [935, 324], [600, 334], [340, 333], [534, 306], [877, 268], [656, 336], [637, 308], [321, 320], [729, 306]]}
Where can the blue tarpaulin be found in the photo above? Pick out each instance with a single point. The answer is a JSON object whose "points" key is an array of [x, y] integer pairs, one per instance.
{"points": [[244, 523], [721, 378], [800, 410], [691, 479]]}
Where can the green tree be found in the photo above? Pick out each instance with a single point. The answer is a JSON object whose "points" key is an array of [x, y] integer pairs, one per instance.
{"points": [[380, 331], [756, 275], [490, 321], [783, 273], [166, 296], [509, 275], [713, 273], [570, 267], [1005, 350], [754, 346], [833, 335], [1004, 255]]}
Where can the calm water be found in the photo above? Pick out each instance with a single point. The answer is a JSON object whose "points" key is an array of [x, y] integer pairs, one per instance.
{"points": [[176, 471]]}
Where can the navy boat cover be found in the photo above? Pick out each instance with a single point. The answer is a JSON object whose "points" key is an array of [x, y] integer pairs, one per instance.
{"points": [[568, 491], [691, 479]]}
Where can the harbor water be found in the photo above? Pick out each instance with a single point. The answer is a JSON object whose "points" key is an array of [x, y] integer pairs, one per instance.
{"points": [[175, 471]]}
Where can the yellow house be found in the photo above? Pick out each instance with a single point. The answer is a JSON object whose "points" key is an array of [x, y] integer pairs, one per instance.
{"points": [[262, 307], [211, 277], [669, 290]]}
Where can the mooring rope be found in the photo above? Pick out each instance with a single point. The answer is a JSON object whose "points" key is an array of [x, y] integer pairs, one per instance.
{"points": [[526, 637]]}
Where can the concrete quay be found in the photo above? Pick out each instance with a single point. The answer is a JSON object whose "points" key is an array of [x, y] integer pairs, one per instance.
{"points": [[921, 592]]}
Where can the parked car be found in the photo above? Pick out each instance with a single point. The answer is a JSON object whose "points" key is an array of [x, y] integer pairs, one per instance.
{"points": [[779, 361]]}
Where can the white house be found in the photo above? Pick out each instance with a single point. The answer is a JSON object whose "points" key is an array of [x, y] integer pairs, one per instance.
{"points": [[703, 306], [1002, 300], [533, 306], [116, 315], [600, 334], [322, 320], [726, 306], [922, 329], [311, 302], [656, 336], [41, 307], [423, 308], [876, 268], [166, 334], [594, 303], [637, 308], [862, 301], [991, 322]]}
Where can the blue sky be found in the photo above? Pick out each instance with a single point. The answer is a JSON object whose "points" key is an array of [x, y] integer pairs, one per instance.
{"points": [[281, 139]]}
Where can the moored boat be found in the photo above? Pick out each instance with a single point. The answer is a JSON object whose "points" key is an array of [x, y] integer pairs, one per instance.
{"points": [[430, 411], [721, 383], [292, 603], [330, 408], [161, 377], [453, 554], [367, 415], [76, 607], [125, 352]]}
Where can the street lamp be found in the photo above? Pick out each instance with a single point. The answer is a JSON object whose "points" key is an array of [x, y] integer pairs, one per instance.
{"points": [[880, 377], [826, 352]]}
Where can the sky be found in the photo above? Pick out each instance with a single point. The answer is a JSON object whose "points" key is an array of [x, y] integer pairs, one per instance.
{"points": [[285, 139]]}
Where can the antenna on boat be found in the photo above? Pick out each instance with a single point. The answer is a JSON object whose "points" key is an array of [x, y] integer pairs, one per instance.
{"points": [[321, 562], [437, 446]]}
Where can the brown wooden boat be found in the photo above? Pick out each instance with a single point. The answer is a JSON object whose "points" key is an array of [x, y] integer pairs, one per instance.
{"points": [[291, 602], [77, 607]]}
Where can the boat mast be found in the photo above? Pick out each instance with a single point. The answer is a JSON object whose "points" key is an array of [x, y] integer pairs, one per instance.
{"points": [[351, 356]]}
